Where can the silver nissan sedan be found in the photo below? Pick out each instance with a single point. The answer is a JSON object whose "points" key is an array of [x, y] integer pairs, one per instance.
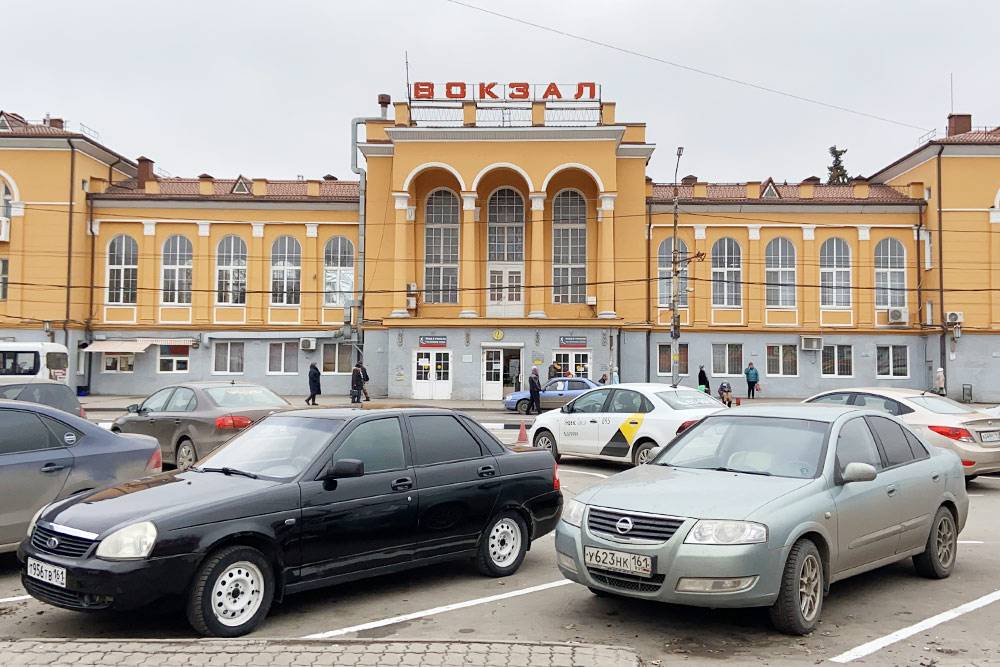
{"points": [[766, 507]]}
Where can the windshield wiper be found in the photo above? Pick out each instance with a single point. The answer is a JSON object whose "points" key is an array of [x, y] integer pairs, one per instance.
{"points": [[225, 470], [748, 472]]}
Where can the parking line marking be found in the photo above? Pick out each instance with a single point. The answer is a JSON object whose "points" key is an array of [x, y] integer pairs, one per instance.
{"points": [[971, 542], [926, 624], [436, 610], [15, 599], [582, 472]]}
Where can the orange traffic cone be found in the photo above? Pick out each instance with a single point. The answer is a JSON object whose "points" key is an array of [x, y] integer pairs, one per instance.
{"points": [[522, 435]]}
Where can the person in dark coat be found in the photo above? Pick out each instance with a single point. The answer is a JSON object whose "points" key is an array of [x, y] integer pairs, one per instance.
{"points": [[703, 379], [314, 388], [357, 383], [554, 370], [365, 378], [534, 392]]}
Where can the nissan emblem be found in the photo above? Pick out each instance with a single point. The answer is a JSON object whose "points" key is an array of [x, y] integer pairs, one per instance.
{"points": [[624, 525]]}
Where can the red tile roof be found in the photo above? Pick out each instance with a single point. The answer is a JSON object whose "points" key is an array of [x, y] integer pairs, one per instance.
{"points": [[736, 193], [189, 188], [978, 136]]}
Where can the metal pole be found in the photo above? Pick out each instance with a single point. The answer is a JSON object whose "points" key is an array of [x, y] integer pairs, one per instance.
{"points": [[675, 285]]}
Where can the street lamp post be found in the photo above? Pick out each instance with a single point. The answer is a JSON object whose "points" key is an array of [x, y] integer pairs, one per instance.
{"points": [[675, 284]]}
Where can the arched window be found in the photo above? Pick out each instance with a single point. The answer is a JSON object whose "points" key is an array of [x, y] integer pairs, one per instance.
{"points": [[569, 248], [286, 271], [727, 277], [123, 270], [779, 273], [6, 197], [835, 274], [231, 271], [177, 266], [338, 271], [441, 225], [890, 274], [665, 265], [505, 246]]}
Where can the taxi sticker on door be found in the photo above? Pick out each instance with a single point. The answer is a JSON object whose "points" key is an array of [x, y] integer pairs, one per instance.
{"points": [[621, 442]]}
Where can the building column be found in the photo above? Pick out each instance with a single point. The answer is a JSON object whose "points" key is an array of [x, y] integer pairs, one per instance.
{"points": [[536, 273], [468, 272], [864, 304], [606, 257], [148, 295], [755, 289], [258, 277], [808, 262], [202, 298], [313, 279], [399, 268], [994, 258], [702, 273]]}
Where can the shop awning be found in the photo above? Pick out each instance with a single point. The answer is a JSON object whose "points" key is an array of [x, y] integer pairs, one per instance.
{"points": [[134, 346]]}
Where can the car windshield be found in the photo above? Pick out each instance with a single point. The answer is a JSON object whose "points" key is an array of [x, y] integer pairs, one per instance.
{"points": [[940, 405], [278, 447], [688, 400], [756, 445], [236, 397]]}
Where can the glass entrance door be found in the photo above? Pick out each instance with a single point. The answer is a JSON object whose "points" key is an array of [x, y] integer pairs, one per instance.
{"points": [[432, 374]]}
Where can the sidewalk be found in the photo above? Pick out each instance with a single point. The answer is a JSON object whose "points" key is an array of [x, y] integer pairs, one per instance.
{"points": [[152, 652]]}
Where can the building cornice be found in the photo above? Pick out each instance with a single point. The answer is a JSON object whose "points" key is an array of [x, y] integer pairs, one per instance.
{"points": [[104, 202], [787, 207], [80, 142], [436, 134]]}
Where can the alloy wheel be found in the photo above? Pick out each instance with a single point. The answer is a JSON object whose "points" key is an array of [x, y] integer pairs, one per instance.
{"points": [[185, 456], [544, 441], [505, 542], [237, 593], [810, 587], [944, 541]]}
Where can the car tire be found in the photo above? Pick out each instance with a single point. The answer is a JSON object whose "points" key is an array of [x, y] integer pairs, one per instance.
{"points": [[792, 613], [226, 579], [640, 453], [546, 440], [185, 454], [522, 406], [939, 556], [503, 545]]}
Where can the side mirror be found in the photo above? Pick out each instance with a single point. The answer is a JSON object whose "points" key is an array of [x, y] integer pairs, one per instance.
{"points": [[566, 409], [345, 468], [859, 472], [133, 409]]}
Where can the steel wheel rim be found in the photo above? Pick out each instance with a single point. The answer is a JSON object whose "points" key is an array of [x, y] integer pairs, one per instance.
{"points": [[185, 456], [505, 542], [944, 539], [544, 442], [810, 587], [237, 594]]}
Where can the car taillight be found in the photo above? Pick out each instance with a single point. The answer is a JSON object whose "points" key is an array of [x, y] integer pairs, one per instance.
{"points": [[155, 463], [686, 425], [83, 413], [968, 464], [953, 433], [232, 421], [555, 477]]}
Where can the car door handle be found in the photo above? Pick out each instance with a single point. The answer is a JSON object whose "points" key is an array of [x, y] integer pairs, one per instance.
{"points": [[593, 421], [891, 490], [633, 422], [935, 477], [177, 422], [52, 467], [487, 471], [402, 484]]}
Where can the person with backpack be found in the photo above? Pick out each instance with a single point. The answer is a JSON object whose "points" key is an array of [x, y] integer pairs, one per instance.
{"points": [[752, 377]]}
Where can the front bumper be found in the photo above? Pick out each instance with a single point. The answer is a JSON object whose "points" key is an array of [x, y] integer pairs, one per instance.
{"points": [[675, 560], [94, 584]]}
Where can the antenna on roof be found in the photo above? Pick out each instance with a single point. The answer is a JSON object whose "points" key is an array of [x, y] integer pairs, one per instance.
{"points": [[406, 65], [951, 85]]}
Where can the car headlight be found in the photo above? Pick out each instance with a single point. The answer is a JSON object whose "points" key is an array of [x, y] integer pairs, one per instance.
{"points": [[712, 531], [34, 520], [135, 541], [573, 512]]}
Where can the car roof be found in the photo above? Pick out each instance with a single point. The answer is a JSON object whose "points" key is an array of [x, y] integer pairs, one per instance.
{"points": [[49, 411], [651, 386], [354, 413], [209, 384], [823, 412], [893, 392]]}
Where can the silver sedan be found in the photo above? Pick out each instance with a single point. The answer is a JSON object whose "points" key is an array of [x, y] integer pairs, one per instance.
{"points": [[766, 507]]}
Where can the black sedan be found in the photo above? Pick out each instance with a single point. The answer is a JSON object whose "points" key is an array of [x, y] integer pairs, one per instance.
{"points": [[303, 499]]}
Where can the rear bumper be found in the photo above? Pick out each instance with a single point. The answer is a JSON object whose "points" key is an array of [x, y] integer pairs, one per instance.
{"points": [[545, 511]]}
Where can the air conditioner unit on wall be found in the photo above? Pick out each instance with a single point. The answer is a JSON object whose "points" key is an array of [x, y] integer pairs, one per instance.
{"points": [[307, 344], [812, 343], [899, 316], [4, 229], [955, 317]]}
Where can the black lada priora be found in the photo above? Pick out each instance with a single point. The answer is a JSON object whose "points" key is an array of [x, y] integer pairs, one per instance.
{"points": [[303, 499]]}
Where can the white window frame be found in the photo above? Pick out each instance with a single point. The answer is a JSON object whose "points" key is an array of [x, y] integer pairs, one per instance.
{"points": [[173, 358], [890, 262], [727, 270], [891, 348], [4, 277], [336, 357], [231, 262], [836, 360], [665, 269], [569, 235], [781, 360], [286, 271], [126, 272], [780, 274], [338, 272], [228, 344], [728, 373], [118, 356], [442, 242], [669, 372], [284, 345], [178, 270], [835, 275], [574, 360]]}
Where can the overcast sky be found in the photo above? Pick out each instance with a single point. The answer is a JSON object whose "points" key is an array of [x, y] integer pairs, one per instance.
{"points": [[267, 89]]}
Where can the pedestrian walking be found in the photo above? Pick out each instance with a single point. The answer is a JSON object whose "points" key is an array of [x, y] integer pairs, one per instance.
{"points": [[703, 380], [357, 383], [314, 388], [534, 392], [752, 377], [554, 370], [939, 381], [726, 393], [365, 378]]}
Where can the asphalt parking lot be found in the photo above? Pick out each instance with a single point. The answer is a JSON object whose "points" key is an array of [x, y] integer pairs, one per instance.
{"points": [[932, 622]]}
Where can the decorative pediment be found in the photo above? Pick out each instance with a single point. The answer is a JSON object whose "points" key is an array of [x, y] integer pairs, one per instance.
{"points": [[242, 186], [768, 191]]}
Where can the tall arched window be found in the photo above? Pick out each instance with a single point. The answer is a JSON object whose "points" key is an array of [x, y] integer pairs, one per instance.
{"points": [[665, 263], [178, 255], [727, 277], [835, 274], [505, 247], [123, 270], [441, 225], [338, 271], [286, 271], [231, 271], [569, 248], [890, 274], [6, 197], [779, 273]]}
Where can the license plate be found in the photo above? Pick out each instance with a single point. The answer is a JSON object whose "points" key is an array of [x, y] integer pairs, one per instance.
{"points": [[990, 436], [52, 574], [618, 561]]}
